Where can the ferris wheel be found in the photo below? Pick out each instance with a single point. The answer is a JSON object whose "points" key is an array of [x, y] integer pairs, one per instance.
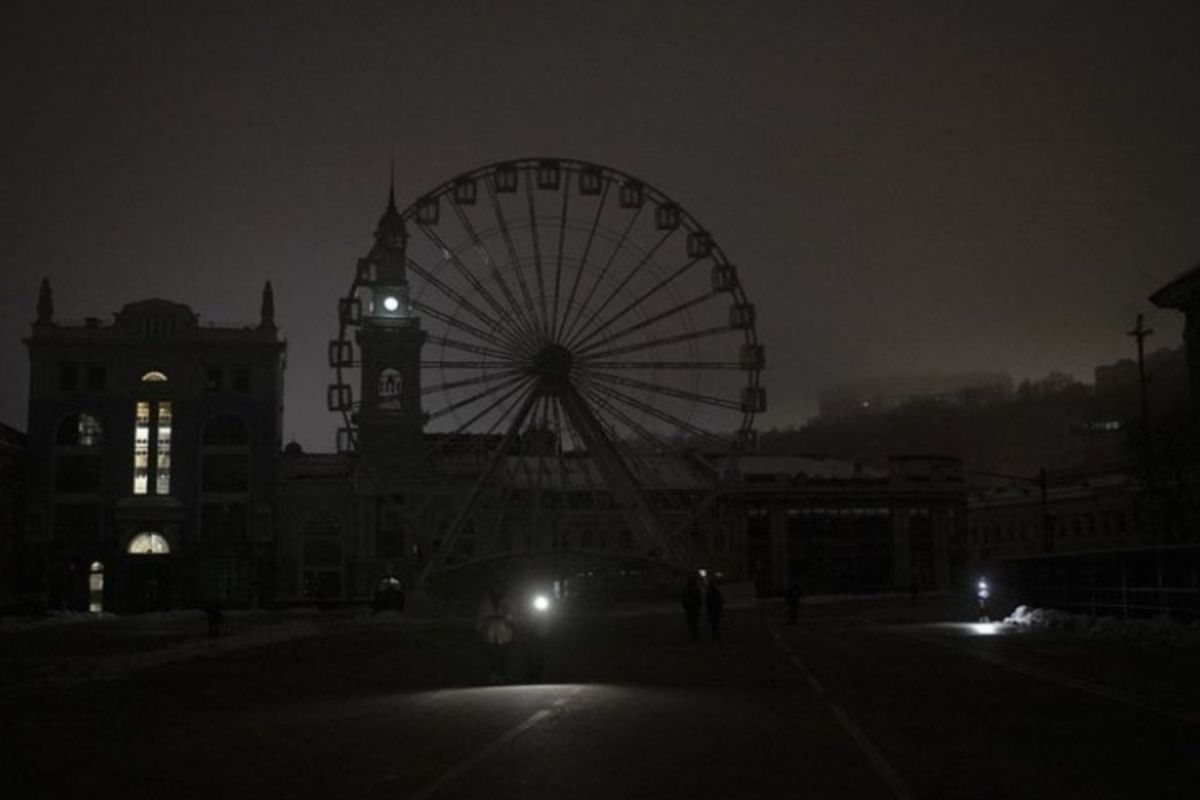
{"points": [[570, 315]]}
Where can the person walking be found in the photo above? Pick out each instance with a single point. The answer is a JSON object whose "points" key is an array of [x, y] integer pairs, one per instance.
{"points": [[692, 600], [714, 607], [495, 626]]}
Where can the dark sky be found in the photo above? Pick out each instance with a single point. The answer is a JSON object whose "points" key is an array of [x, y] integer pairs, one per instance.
{"points": [[905, 186]]}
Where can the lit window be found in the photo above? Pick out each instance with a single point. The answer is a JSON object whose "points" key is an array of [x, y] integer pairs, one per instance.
{"points": [[149, 544], [163, 450], [154, 376], [152, 448], [141, 449], [90, 432]]}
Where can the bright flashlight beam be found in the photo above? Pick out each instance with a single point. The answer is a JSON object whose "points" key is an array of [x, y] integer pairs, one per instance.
{"points": [[541, 603]]}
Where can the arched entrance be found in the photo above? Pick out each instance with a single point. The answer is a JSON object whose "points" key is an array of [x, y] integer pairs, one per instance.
{"points": [[149, 572]]}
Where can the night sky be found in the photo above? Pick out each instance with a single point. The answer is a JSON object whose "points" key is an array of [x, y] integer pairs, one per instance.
{"points": [[938, 186]]}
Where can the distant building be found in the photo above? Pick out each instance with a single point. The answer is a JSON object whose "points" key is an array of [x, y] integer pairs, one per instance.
{"points": [[13, 468], [153, 445], [1183, 294], [831, 526], [873, 395]]}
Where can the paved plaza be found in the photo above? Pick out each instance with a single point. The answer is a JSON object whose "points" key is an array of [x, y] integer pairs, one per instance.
{"points": [[859, 700]]}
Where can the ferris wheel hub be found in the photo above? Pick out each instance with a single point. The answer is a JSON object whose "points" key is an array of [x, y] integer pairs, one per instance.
{"points": [[552, 366]]}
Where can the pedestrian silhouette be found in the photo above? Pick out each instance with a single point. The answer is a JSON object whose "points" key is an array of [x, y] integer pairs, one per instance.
{"points": [[714, 607], [792, 599], [495, 626], [692, 600]]}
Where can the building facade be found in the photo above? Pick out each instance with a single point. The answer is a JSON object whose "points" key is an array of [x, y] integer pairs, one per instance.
{"points": [[154, 443]]}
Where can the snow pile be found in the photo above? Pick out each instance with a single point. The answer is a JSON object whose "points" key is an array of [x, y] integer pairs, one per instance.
{"points": [[1155, 630], [21, 625]]}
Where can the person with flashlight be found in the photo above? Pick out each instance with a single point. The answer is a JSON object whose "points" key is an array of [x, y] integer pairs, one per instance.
{"points": [[495, 626], [983, 593], [535, 631]]}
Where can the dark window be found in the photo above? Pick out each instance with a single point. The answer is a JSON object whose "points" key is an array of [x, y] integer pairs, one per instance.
{"points": [[223, 523], [77, 472], [77, 525], [323, 552], [241, 379], [390, 543], [225, 430], [214, 379], [224, 472], [96, 378], [68, 377]]}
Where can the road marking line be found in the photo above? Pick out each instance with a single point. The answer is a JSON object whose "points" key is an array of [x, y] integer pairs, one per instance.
{"points": [[434, 786], [875, 758], [895, 782], [1050, 676]]}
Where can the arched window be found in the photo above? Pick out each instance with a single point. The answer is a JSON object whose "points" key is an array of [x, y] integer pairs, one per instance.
{"points": [[79, 430], [154, 376], [148, 543], [389, 388]]}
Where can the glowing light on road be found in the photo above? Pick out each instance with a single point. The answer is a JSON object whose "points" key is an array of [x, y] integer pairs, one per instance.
{"points": [[985, 628], [541, 603]]}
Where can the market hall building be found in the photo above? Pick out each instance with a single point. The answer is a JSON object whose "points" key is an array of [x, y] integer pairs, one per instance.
{"points": [[158, 479]]}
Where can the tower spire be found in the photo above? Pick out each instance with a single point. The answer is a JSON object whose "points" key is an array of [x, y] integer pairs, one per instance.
{"points": [[268, 307], [392, 187], [45, 303]]}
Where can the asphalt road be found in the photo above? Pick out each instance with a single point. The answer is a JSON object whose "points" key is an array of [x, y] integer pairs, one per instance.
{"points": [[857, 702]]}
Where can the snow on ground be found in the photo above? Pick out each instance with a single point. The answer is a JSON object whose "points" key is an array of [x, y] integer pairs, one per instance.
{"points": [[258, 629], [1156, 630]]}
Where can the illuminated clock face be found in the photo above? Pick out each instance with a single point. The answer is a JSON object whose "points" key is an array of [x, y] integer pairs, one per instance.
{"points": [[391, 304]]}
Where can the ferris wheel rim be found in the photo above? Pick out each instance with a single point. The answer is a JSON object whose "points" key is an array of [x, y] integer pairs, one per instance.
{"points": [[652, 195]]}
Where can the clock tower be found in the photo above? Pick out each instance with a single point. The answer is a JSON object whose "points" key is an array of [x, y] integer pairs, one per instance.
{"points": [[390, 417]]}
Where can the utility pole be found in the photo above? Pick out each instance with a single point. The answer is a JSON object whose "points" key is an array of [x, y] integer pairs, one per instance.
{"points": [[1139, 334]]}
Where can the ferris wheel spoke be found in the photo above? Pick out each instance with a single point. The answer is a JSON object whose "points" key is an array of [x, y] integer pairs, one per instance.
{"points": [[470, 347], [618, 248], [652, 365], [465, 271], [583, 329], [468, 506], [616, 412], [560, 331], [669, 314], [666, 391], [464, 382], [660, 342], [657, 412], [641, 298], [449, 364], [455, 322], [537, 256], [514, 259], [500, 323], [558, 261], [462, 429], [475, 398]]}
